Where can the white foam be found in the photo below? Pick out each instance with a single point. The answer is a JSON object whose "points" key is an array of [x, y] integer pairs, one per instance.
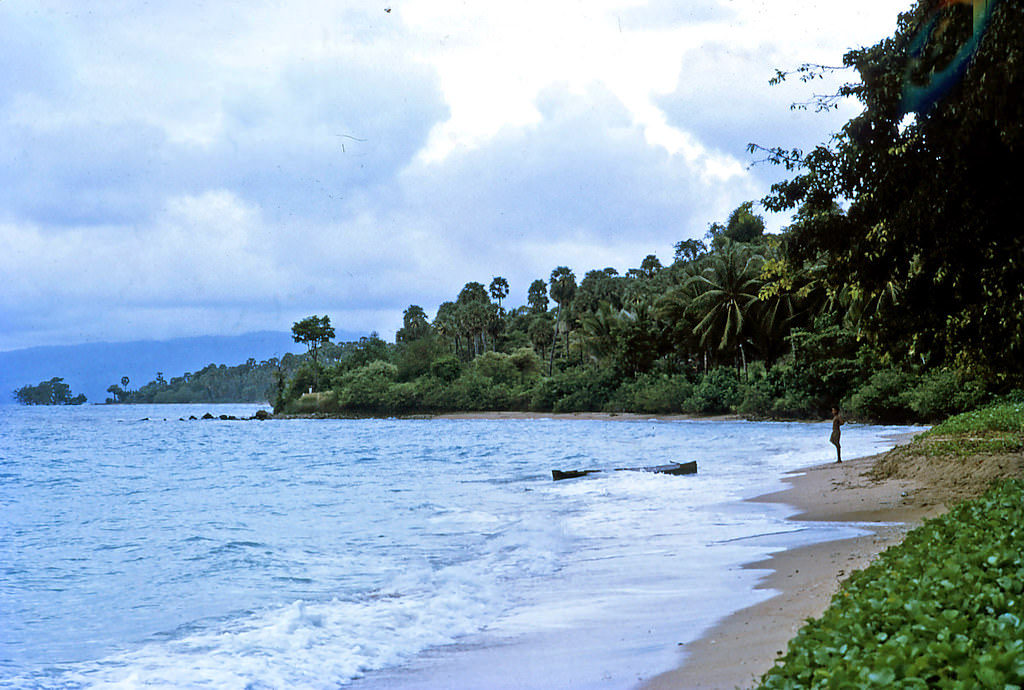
{"points": [[308, 644]]}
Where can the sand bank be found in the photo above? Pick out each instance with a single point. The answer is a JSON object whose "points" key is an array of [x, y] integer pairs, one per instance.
{"points": [[890, 494]]}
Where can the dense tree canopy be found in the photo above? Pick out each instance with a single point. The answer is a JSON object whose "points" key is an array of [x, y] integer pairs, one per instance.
{"points": [[916, 212]]}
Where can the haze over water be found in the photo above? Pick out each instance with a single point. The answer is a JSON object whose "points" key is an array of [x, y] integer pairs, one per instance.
{"points": [[141, 550]]}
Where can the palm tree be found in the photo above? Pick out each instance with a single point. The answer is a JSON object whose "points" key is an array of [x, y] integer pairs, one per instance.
{"points": [[728, 287], [537, 297], [447, 325], [562, 286], [600, 329], [499, 290]]}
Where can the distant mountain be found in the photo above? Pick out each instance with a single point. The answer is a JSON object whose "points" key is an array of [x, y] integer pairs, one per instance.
{"points": [[91, 368]]}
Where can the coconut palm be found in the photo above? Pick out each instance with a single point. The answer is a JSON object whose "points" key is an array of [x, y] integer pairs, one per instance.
{"points": [[726, 288]]}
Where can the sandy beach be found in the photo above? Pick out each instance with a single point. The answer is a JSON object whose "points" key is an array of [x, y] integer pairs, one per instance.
{"points": [[890, 493]]}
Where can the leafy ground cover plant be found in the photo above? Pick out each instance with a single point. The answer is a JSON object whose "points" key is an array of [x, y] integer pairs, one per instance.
{"points": [[944, 609], [994, 428]]}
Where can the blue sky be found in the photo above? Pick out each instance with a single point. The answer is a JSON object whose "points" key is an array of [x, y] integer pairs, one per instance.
{"points": [[201, 168]]}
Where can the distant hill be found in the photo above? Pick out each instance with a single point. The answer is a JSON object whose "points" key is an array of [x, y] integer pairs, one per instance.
{"points": [[92, 367]]}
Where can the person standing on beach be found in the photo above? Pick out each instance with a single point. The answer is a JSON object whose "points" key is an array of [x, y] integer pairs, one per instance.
{"points": [[837, 422]]}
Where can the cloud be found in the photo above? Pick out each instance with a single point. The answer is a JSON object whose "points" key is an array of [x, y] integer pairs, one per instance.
{"points": [[582, 187], [190, 168]]}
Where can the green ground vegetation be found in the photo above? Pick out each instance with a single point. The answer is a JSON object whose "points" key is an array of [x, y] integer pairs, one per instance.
{"points": [[944, 609], [994, 428]]}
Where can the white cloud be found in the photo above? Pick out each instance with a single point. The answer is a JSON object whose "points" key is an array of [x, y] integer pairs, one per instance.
{"points": [[206, 167]]}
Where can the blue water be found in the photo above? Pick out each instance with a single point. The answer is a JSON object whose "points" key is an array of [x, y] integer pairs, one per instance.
{"points": [[141, 550]]}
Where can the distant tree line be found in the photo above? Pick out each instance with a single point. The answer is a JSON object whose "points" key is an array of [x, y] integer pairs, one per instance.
{"points": [[52, 392], [252, 381]]}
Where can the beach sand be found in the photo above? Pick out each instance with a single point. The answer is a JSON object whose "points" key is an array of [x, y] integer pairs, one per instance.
{"points": [[891, 492]]}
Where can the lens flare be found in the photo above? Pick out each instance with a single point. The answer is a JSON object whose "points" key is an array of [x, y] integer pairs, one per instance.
{"points": [[921, 97]]}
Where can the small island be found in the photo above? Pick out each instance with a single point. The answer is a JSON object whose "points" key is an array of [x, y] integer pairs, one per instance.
{"points": [[52, 392]]}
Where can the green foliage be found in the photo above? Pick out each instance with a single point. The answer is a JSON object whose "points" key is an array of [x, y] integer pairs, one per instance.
{"points": [[367, 389], [884, 397], [744, 225], [52, 392], [446, 369], [944, 392], [537, 297], [719, 392], [314, 332], [943, 609], [916, 216], [497, 367], [414, 325], [526, 362], [577, 389], [995, 428], [653, 394]]}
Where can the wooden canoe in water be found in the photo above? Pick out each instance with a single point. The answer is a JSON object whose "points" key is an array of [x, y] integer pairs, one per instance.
{"points": [[672, 468]]}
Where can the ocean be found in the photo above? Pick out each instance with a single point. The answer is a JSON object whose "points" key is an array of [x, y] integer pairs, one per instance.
{"points": [[139, 548]]}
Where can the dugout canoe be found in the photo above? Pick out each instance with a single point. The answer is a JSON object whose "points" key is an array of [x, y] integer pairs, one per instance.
{"points": [[671, 468]]}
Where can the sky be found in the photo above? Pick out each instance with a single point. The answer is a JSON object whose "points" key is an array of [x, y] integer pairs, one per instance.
{"points": [[217, 168]]}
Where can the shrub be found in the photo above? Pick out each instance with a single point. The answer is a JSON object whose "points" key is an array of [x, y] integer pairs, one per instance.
{"points": [[578, 389], [474, 392], [367, 389], [943, 393], [718, 392], [651, 393], [404, 398], [314, 403], [446, 368], [497, 367], [884, 398]]}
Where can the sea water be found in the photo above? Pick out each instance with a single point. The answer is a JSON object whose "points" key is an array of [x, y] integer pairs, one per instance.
{"points": [[139, 548]]}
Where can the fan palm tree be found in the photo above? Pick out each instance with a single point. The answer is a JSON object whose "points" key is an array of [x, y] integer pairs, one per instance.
{"points": [[563, 288]]}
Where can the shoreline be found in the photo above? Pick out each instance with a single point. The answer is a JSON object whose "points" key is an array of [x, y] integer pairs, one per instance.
{"points": [[588, 416], [740, 648]]}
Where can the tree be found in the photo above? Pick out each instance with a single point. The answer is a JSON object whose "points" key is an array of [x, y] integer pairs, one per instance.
{"points": [[539, 331], [537, 297], [924, 205], [472, 292], [446, 323], [743, 225], [563, 289], [313, 332], [728, 287], [414, 325], [650, 266], [499, 290], [52, 392], [596, 287], [473, 311], [526, 362], [689, 250]]}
